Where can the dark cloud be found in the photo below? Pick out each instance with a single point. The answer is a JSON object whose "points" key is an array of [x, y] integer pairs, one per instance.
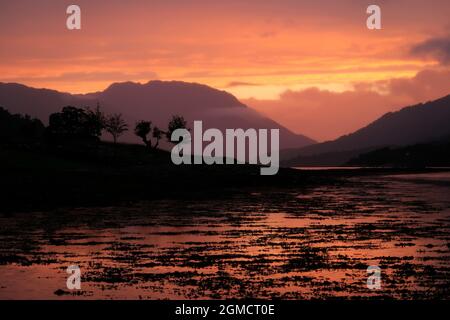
{"points": [[436, 48]]}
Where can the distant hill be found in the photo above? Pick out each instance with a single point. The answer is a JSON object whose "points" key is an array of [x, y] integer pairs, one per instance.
{"points": [[436, 154], [422, 123], [39, 103], [156, 101]]}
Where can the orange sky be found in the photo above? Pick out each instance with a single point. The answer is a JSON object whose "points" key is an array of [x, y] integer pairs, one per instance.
{"points": [[268, 53]]}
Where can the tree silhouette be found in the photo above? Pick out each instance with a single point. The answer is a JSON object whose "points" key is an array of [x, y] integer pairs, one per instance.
{"points": [[74, 124], [96, 120], [142, 129], [177, 122], [157, 134], [17, 128], [115, 125]]}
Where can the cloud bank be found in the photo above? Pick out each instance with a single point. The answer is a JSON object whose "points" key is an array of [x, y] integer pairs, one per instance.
{"points": [[326, 115]]}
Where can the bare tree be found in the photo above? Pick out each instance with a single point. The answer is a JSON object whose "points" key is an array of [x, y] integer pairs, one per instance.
{"points": [[115, 125]]}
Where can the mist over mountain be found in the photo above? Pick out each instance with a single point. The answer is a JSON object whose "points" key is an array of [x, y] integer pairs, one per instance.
{"points": [[156, 101], [421, 123]]}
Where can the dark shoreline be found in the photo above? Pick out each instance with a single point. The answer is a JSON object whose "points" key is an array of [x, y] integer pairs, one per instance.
{"points": [[30, 190], [42, 178]]}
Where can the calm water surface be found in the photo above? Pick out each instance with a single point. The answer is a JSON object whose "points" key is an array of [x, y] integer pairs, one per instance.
{"points": [[296, 244]]}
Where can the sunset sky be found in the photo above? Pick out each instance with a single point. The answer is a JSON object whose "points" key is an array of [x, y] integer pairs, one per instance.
{"points": [[313, 66]]}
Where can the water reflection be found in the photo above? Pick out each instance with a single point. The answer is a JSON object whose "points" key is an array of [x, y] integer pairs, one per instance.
{"points": [[296, 244]]}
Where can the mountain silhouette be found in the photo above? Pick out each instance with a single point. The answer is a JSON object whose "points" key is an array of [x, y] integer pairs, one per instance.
{"points": [[156, 101], [421, 123]]}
